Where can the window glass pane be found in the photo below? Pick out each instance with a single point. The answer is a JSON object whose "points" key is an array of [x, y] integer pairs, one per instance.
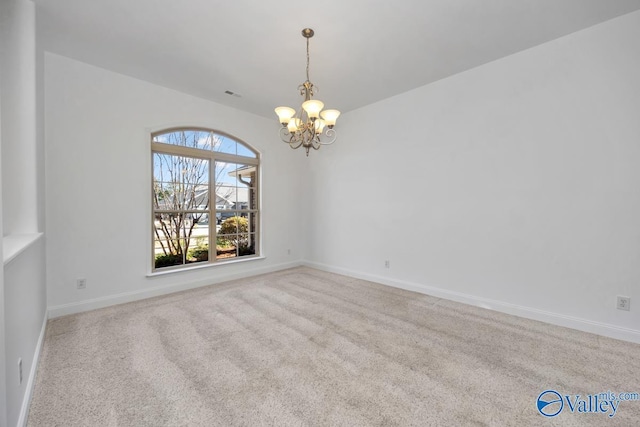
{"points": [[224, 248], [232, 224], [224, 173], [231, 246], [225, 145], [226, 185], [223, 216], [163, 256], [247, 198], [180, 182], [201, 219], [163, 195], [252, 221], [243, 245], [244, 151], [233, 235], [178, 245], [245, 175], [246, 190], [167, 252], [202, 139], [198, 248], [236, 188], [225, 197], [247, 245], [167, 260]]}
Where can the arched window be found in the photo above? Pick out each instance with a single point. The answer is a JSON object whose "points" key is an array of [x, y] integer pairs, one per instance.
{"points": [[205, 203]]}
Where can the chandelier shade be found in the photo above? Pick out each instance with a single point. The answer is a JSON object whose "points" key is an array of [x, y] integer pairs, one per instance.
{"points": [[330, 116], [285, 114], [305, 128], [313, 108]]}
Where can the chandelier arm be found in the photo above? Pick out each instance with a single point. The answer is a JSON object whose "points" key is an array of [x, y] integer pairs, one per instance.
{"points": [[295, 143], [289, 138], [331, 135], [295, 147], [285, 135]]}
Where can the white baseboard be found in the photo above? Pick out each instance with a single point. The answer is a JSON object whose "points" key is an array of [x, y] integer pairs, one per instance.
{"points": [[26, 400], [584, 325], [95, 303]]}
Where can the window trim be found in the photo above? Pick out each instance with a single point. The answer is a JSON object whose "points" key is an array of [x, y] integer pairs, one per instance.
{"points": [[200, 266], [212, 157]]}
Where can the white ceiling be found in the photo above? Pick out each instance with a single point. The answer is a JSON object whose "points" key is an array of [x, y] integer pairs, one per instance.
{"points": [[363, 50]]}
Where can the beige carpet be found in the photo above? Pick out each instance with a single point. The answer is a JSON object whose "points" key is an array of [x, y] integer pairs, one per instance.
{"points": [[303, 347]]}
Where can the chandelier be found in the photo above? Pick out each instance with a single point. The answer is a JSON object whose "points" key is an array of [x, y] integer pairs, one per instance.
{"points": [[306, 128]]}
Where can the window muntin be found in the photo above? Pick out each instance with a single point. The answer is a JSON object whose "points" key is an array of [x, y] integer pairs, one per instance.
{"points": [[189, 227]]}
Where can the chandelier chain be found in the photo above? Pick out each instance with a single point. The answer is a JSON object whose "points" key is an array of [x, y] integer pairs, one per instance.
{"points": [[308, 59]]}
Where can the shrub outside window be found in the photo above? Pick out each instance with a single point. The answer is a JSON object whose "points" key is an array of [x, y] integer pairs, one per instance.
{"points": [[205, 203]]}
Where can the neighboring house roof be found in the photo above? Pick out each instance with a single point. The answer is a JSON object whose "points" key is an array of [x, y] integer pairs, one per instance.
{"points": [[227, 197], [244, 172]]}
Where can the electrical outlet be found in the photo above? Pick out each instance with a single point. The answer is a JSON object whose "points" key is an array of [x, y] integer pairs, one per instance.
{"points": [[20, 369], [81, 283], [387, 264], [624, 303]]}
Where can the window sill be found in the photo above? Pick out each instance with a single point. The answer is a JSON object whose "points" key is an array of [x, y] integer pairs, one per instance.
{"points": [[202, 266], [14, 244]]}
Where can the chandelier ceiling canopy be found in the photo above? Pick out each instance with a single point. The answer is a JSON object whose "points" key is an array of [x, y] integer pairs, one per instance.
{"points": [[311, 126]]}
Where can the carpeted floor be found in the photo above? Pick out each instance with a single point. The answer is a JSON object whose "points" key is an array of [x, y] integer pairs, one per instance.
{"points": [[303, 347]]}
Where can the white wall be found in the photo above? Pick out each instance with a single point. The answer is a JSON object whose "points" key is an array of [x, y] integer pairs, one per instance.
{"points": [[97, 126], [3, 372], [514, 185], [23, 292], [25, 314], [19, 127]]}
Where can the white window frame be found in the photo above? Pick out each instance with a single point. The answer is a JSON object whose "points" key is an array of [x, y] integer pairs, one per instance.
{"points": [[212, 212]]}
